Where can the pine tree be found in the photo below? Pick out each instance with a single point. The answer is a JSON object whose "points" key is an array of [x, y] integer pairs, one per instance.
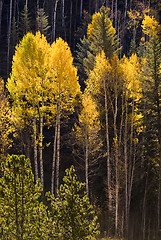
{"points": [[42, 22], [101, 36], [73, 215], [22, 216], [25, 23]]}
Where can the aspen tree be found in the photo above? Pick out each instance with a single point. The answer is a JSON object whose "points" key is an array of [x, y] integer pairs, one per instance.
{"points": [[97, 85], [65, 87], [28, 85], [132, 90], [87, 133]]}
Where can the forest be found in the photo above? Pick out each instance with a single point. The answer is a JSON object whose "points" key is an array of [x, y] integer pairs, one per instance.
{"points": [[80, 108]]}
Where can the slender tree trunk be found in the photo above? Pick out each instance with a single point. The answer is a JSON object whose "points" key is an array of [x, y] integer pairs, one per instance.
{"points": [[126, 168], [108, 153], [86, 163], [125, 9], [54, 158], [112, 10], [35, 149], [40, 151], [58, 149], [37, 5], [81, 8], [116, 162], [70, 29], [63, 21], [158, 207], [107, 3], [54, 19], [1, 7], [116, 15], [144, 208], [96, 5], [9, 37]]}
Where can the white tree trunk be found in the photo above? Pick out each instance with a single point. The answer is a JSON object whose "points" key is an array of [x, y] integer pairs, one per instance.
{"points": [[81, 8], [1, 6], [40, 151], [54, 19], [35, 149], [58, 149], [63, 21], [86, 163], [116, 15], [54, 158], [108, 153]]}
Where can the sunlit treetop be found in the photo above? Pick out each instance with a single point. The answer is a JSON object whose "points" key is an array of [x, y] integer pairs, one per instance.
{"points": [[150, 25], [131, 69], [101, 33], [65, 85]]}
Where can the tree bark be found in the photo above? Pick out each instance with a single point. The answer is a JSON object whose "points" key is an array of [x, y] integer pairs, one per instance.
{"points": [[116, 15], [96, 5], [58, 149], [70, 28], [112, 10], [54, 20], [35, 149], [126, 168], [107, 3], [125, 14], [81, 8], [54, 158], [40, 151], [63, 21], [116, 162], [108, 153], [86, 163]]}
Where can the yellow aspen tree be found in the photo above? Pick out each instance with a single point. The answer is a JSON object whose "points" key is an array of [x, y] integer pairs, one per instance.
{"points": [[87, 133], [65, 88], [28, 85], [116, 80], [97, 86], [132, 92]]}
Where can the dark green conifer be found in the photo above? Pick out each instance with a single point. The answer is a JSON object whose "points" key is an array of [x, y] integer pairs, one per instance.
{"points": [[22, 215], [73, 215]]}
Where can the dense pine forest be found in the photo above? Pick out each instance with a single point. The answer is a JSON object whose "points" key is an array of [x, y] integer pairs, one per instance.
{"points": [[80, 85]]}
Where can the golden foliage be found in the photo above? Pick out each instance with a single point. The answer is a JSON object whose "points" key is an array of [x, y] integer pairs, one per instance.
{"points": [[150, 25]]}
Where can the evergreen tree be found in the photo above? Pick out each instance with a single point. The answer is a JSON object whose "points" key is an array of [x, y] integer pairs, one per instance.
{"points": [[101, 36], [22, 216], [72, 213], [25, 23], [42, 22]]}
